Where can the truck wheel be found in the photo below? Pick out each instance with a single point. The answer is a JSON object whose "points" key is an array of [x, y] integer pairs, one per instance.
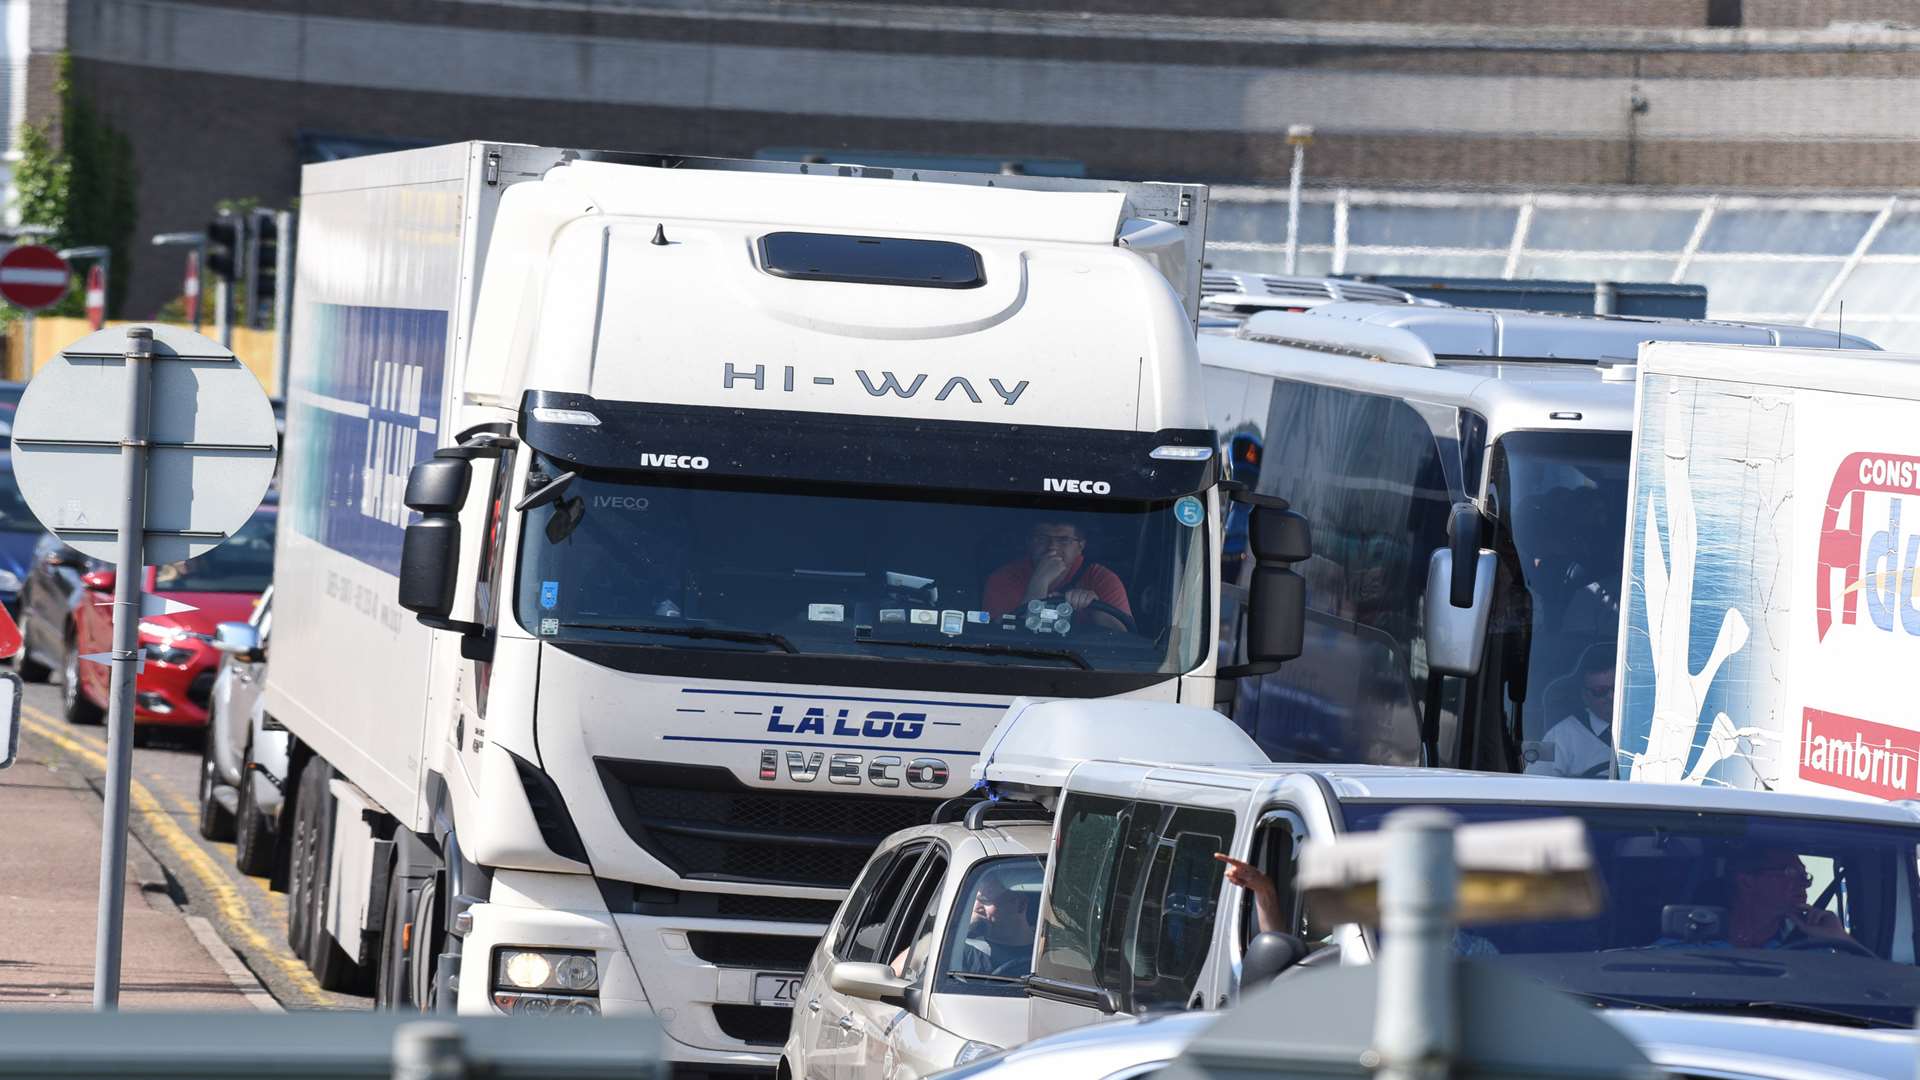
{"points": [[215, 822], [429, 934], [332, 967], [253, 833], [393, 989], [300, 857]]}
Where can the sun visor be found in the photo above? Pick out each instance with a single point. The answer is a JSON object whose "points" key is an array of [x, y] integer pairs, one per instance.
{"points": [[1037, 743]]}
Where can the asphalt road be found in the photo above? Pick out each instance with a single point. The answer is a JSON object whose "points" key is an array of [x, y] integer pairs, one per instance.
{"points": [[165, 815]]}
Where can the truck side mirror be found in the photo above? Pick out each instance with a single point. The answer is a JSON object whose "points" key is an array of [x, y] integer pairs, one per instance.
{"points": [[1276, 596], [1268, 954], [430, 550]]}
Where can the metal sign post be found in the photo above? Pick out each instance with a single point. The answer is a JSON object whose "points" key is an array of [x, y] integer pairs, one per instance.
{"points": [[173, 474], [130, 568]]}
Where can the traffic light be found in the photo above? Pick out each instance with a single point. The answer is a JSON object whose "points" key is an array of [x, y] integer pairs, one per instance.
{"points": [[263, 251], [224, 236]]}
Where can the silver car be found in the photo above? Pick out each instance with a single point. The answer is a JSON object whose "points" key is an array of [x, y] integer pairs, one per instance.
{"points": [[922, 968], [245, 754]]}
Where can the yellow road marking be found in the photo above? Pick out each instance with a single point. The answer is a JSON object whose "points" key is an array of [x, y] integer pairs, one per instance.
{"points": [[227, 901]]}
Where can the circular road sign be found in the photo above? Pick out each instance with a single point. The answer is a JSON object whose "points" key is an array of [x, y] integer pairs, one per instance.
{"points": [[210, 436], [33, 276]]}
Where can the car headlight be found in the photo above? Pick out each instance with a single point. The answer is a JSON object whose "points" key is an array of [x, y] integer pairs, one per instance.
{"points": [[165, 652], [972, 1050]]}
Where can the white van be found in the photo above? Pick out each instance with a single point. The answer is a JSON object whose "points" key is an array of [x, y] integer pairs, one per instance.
{"points": [[1744, 902]]}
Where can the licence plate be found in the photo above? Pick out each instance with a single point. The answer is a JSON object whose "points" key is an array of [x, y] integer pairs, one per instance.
{"points": [[780, 990]]}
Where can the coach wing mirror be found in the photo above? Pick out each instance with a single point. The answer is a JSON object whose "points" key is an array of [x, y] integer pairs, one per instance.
{"points": [[1276, 596], [1459, 597], [1268, 954], [870, 982]]}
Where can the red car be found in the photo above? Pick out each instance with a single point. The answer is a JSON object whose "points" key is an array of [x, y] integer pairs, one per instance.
{"points": [[224, 585]]}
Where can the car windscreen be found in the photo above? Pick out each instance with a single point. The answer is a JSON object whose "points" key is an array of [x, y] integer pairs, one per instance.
{"points": [[1774, 913]]}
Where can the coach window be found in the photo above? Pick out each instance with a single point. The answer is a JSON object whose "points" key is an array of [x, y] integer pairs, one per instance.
{"points": [[1369, 474]]}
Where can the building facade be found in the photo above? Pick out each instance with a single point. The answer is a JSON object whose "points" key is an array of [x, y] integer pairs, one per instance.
{"points": [[227, 98]]}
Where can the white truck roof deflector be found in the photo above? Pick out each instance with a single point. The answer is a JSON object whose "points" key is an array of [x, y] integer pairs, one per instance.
{"points": [[1037, 743]]}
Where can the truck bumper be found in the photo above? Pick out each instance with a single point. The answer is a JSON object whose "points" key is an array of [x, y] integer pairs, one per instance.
{"points": [[642, 959]]}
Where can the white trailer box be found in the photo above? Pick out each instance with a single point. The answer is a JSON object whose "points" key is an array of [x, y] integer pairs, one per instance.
{"points": [[1771, 611]]}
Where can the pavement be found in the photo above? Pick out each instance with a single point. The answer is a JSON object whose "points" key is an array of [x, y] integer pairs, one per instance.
{"points": [[198, 933]]}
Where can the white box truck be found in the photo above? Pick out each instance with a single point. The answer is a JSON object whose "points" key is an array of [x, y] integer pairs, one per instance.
{"points": [[1770, 607], [662, 533]]}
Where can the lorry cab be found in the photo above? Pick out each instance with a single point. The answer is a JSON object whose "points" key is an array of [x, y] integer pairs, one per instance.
{"points": [[1809, 902], [1464, 476]]}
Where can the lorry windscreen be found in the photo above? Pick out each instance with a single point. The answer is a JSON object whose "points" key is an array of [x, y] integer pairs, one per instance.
{"points": [[1560, 498], [776, 570], [1720, 910]]}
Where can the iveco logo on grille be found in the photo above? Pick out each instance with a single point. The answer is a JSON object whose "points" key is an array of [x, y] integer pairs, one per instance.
{"points": [[882, 770]]}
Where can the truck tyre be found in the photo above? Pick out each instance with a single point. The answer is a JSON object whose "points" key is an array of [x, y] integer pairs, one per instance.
{"points": [[215, 822], [392, 988], [253, 833], [78, 709], [429, 934], [300, 872], [332, 966]]}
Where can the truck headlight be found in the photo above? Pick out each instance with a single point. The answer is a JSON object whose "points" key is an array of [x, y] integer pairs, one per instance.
{"points": [[562, 982]]}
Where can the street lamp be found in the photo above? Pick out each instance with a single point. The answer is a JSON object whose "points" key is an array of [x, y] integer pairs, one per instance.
{"points": [[1298, 136]]}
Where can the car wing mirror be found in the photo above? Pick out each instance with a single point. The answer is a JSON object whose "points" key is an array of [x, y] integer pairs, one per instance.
{"points": [[1268, 954], [870, 982]]}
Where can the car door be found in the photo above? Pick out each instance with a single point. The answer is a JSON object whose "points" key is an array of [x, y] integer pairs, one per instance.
{"points": [[836, 1046], [889, 1051]]}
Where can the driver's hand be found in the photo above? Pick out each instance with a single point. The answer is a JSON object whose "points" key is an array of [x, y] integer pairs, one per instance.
{"points": [[1045, 573], [1080, 598], [1818, 922]]}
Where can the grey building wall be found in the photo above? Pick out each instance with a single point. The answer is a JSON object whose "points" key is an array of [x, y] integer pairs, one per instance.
{"points": [[217, 95]]}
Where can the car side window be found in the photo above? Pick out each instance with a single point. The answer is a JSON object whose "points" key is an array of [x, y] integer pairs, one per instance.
{"points": [[1177, 903], [850, 912], [911, 942], [870, 928], [990, 937], [1073, 917], [1276, 853]]}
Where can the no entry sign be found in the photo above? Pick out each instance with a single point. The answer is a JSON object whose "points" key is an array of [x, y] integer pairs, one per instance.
{"points": [[33, 276]]}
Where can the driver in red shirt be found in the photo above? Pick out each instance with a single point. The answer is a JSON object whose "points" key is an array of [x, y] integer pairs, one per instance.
{"points": [[1056, 566]]}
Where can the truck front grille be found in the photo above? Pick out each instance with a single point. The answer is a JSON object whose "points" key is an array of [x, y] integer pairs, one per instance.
{"points": [[706, 825], [770, 952]]}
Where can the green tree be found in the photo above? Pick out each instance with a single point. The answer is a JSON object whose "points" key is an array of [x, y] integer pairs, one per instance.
{"points": [[80, 186]]}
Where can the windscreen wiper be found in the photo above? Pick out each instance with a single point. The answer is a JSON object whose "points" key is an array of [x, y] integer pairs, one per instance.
{"points": [[749, 637], [993, 648], [975, 976], [1818, 1014]]}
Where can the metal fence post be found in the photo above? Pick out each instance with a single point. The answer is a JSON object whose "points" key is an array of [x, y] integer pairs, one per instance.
{"points": [[1416, 1032]]}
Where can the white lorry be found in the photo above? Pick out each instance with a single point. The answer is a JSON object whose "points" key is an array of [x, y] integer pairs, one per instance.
{"points": [[748, 495], [1770, 610]]}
